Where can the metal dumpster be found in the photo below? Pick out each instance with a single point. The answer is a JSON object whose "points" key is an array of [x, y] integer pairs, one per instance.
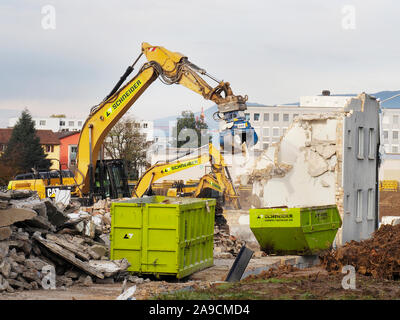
{"points": [[163, 235], [299, 231]]}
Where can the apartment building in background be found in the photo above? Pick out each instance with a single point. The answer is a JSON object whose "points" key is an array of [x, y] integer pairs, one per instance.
{"points": [[391, 130], [54, 124]]}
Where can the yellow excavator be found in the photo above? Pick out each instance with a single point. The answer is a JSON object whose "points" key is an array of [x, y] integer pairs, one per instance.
{"points": [[93, 177], [219, 179]]}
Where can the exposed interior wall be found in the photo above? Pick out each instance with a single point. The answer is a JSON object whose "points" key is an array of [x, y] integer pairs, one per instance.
{"points": [[303, 164], [313, 165]]}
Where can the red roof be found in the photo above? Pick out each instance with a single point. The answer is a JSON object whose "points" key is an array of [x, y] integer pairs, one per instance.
{"points": [[64, 134], [45, 136]]}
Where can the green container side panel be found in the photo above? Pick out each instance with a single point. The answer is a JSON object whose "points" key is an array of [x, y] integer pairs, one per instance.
{"points": [[170, 236], [295, 230]]}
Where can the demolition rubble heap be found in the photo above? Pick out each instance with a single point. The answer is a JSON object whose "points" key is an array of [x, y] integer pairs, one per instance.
{"points": [[37, 236], [378, 256]]}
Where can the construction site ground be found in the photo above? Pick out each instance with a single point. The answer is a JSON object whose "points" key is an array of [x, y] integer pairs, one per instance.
{"points": [[311, 283], [265, 278]]}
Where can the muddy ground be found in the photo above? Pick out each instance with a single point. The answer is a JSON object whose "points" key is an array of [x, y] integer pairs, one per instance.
{"points": [[313, 283], [287, 283]]}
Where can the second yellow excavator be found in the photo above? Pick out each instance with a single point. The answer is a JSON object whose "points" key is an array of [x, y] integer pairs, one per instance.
{"points": [[219, 179]]}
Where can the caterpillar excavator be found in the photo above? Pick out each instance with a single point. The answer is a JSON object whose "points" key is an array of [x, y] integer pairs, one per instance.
{"points": [[216, 184], [171, 68]]}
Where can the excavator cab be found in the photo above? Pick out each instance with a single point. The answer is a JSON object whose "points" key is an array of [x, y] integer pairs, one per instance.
{"points": [[111, 180]]}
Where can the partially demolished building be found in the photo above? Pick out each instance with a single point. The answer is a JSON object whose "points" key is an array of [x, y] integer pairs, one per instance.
{"points": [[324, 159]]}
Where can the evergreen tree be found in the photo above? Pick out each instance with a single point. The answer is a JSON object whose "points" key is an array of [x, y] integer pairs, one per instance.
{"points": [[23, 151]]}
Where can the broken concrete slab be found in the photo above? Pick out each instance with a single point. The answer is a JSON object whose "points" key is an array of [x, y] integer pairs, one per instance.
{"points": [[40, 222], [68, 256], [55, 216], [5, 233], [109, 268], [99, 250], [317, 165], [12, 215], [5, 195], [76, 249]]}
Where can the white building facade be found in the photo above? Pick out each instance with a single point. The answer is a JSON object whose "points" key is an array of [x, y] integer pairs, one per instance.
{"points": [[53, 124]]}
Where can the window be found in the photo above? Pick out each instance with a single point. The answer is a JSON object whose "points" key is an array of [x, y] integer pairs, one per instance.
{"points": [[284, 130], [49, 148], [371, 144], [265, 132], [256, 117], [385, 134], [275, 132], [395, 149], [71, 123], [286, 117], [266, 116], [349, 138], [395, 119], [62, 123], [395, 135], [145, 125], [276, 117], [370, 204], [73, 150], [359, 206], [79, 123], [360, 154], [42, 122], [265, 146], [247, 115], [387, 149]]}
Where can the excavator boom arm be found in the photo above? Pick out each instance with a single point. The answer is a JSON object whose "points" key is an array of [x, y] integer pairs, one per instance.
{"points": [[171, 67]]}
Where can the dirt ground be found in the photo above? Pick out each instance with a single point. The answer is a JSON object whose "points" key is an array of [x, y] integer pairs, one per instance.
{"points": [[313, 283], [286, 283]]}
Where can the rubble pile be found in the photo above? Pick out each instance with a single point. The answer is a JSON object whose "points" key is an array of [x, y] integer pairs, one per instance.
{"points": [[378, 257], [38, 237], [226, 245]]}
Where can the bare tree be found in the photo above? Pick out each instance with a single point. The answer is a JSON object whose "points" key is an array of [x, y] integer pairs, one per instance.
{"points": [[126, 141]]}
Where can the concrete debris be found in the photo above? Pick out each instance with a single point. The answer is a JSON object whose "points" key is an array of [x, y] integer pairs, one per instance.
{"points": [[225, 245], [109, 268], [127, 294], [12, 215]]}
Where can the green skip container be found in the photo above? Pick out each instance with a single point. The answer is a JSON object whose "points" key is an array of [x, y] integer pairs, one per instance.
{"points": [[300, 231], [163, 235]]}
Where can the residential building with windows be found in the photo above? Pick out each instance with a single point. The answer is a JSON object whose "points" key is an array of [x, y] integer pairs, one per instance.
{"points": [[390, 130], [271, 122], [52, 123], [68, 149], [48, 140]]}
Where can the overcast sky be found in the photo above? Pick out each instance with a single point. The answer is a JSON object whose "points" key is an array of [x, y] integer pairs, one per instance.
{"points": [[273, 51]]}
